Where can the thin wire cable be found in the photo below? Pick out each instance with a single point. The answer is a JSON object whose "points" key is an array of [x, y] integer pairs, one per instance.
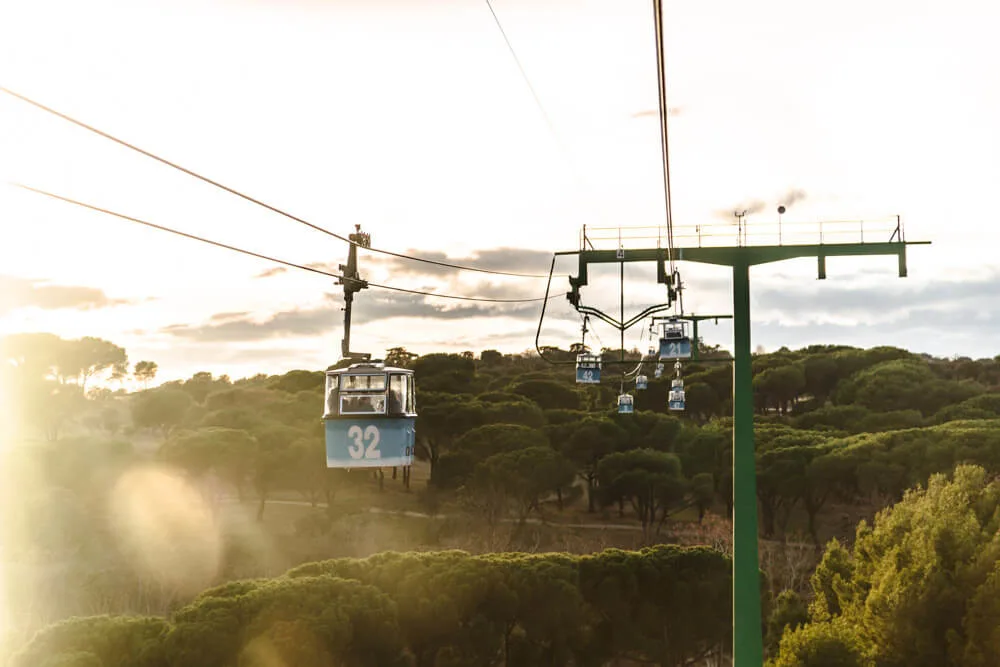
{"points": [[662, 88], [257, 201], [267, 257], [581, 182]]}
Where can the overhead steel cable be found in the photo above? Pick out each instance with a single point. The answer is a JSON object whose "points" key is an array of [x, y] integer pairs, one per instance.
{"points": [[661, 76], [581, 182], [258, 202], [267, 257]]}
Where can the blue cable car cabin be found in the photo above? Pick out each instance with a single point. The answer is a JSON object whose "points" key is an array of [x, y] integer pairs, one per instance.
{"points": [[625, 406], [674, 341], [675, 399], [370, 416], [641, 382], [588, 368]]}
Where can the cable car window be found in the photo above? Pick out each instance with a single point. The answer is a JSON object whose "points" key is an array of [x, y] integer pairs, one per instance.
{"points": [[411, 407], [397, 394], [362, 382], [362, 404], [332, 394]]}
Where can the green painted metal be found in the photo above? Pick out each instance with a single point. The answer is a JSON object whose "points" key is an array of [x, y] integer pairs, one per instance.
{"points": [[748, 646], [747, 630], [728, 256]]}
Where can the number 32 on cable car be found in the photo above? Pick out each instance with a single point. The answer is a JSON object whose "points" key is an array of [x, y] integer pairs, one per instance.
{"points": [[370, 416]]}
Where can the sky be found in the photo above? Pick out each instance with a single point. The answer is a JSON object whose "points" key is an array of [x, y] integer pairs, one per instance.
{"points": [[412, 119]]}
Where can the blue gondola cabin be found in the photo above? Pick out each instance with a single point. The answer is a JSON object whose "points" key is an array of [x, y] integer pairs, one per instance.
{"points": [[675, 399], [625, 406], [370, 416], [674, 341], [588, 368]]}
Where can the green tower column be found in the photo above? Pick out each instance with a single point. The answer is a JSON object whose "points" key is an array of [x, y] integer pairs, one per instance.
{"points": [[748, 648]]}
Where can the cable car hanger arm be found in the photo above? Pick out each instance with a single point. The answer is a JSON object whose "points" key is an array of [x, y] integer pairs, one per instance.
{"points": [[588, 310]]}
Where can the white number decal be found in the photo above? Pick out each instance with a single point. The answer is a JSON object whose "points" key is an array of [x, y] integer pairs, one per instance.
{"points": [[358, 449], [588, 376], [371, 433]]}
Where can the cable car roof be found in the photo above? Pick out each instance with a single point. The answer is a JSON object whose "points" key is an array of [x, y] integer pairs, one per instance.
{"points": [[368, 368]]}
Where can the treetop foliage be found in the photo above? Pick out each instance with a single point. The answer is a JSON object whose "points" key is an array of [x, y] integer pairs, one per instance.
{"points": [[662, 604], [919, 588]]}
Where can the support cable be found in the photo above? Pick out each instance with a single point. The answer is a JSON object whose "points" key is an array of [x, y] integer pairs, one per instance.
{"points": [[665, 146], [580, 181], [258, 202], [269, 258]]}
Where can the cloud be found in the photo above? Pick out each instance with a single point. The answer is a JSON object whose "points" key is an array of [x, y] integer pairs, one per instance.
{"points": [[245, 328], [376, 306], [755, 206], [17, 293], [329, 267], [932, 303], [512, 260], [220, 317], [274, 271], [793, 196]]}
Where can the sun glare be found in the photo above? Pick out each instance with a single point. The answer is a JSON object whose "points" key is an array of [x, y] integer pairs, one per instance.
{"points": [[168, 530]]}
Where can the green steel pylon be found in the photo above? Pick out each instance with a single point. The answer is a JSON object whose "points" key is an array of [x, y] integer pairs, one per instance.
{"points": [[748, 649]]}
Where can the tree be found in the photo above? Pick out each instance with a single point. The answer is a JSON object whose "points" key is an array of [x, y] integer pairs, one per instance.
{"points": [[649, 479], [918, 589], [703, 492], [701, 400], [273, 460], [304, 621], [202, 384], [98, 640], [441, 418], [821, 645], [549, 395], [44, 406], [119, 372], [36, 355], [88, 356], [450, 373], [490, 358], [229, 452], [586, 443], [903, 384], [399, 357], [480, 443], [293, 382], [778, 387], [144, 372], [522, 478], [789, 611], [162, 409], [821, 376]]}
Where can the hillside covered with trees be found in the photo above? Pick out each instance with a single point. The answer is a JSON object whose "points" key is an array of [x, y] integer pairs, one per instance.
{"points": [[532, 530]]}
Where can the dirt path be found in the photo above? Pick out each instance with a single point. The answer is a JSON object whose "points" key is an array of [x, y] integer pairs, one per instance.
{"points": [[422, 515]]}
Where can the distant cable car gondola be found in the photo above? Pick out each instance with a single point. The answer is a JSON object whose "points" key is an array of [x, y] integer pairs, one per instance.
{"points": [[370, 416], [588, 368], [675, 399], [625, 406], [674, 341], [641, 382], [659, 370]]}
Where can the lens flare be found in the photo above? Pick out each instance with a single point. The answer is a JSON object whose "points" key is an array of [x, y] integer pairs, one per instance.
{"points": [[166, 528]]}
